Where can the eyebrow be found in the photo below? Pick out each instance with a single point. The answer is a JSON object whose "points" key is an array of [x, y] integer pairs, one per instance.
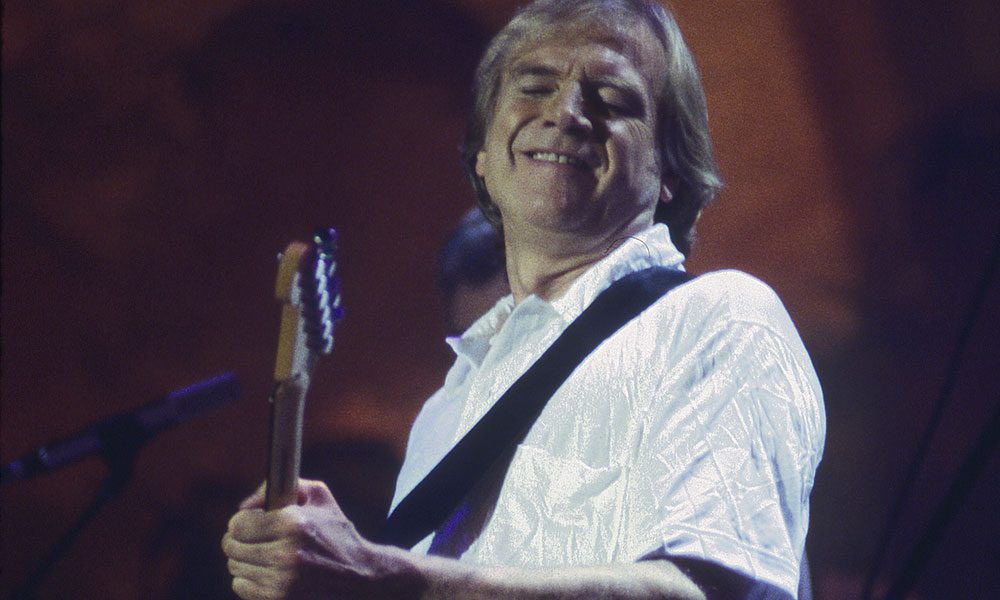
{"points": [[533, 69]]}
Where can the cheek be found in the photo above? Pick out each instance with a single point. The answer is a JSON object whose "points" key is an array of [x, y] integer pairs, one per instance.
{"points": [[489, 161], [635, 153], [496, 156], [491, 166], [481, 163], [509, 119]]}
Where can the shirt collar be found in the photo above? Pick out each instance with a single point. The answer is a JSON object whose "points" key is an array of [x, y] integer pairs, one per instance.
{"points": [[475, 342], [651, 247]]}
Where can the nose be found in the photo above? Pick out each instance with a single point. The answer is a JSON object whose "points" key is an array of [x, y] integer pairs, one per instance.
{"points": [[567, 110]]}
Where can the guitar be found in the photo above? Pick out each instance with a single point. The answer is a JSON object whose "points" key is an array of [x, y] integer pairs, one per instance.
{"points": [[309, 291]]}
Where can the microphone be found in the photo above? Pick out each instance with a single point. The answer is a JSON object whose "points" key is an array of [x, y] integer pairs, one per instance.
{"points": [[117, 437]]}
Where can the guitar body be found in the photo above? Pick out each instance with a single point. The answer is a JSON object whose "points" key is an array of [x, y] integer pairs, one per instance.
{"points": [[308, 290]]}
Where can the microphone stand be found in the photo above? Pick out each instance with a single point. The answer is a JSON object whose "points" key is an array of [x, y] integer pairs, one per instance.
{"points": [[121, 467], [117, 440]]}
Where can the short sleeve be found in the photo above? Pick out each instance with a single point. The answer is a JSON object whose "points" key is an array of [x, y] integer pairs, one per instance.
{"points": [[731, 443]]}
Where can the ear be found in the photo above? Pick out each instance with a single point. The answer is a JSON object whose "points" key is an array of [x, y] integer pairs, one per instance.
{"points": [[669, 183], [665, 194]]}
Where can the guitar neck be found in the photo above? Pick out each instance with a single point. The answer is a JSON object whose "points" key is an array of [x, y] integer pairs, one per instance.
{"points": [[285, 454], [293, 368]]}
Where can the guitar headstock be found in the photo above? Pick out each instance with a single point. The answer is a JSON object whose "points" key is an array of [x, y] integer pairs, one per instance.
{"points": [[309, 290], [320, 288], [308, 286]]}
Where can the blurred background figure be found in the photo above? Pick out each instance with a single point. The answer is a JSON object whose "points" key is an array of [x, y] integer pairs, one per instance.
{"points": [[471, 271]]}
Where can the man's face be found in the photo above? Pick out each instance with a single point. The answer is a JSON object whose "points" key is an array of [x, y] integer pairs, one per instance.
{"points": [[571, 146]]}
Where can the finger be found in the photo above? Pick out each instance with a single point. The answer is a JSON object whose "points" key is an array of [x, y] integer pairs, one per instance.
{"points": [[243, 570], [255, 525], [254, 500], [279, 554], [248, 589], [252, 581], [247, 579], [259, 574]]}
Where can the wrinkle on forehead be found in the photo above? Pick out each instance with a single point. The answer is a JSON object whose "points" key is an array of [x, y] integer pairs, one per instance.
{"points": [[629, 36]]}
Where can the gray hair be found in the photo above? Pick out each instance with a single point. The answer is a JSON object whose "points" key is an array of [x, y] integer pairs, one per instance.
{"points": [[684, 146]]}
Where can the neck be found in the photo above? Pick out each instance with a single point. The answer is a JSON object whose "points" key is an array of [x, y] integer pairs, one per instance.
{"points": [[547, 263]]}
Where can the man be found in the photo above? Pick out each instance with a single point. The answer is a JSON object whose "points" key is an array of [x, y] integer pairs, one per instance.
{"points": [[677, 460]]}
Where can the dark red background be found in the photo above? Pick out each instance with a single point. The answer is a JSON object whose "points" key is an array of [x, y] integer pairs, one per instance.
{"points": [[157, 155]]}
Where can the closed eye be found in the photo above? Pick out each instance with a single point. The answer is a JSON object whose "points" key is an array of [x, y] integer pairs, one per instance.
{"points": [[619, 103], [535, 90], [534, 80]]}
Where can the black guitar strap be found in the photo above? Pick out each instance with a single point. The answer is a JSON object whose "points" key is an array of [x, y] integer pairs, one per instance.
{"points": [[437, 496]]}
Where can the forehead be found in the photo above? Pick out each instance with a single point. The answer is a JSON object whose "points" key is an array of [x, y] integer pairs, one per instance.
{"points": [[632, 40]]}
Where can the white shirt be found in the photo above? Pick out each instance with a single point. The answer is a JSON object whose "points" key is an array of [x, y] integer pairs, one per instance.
{"points": [[695, 430]]}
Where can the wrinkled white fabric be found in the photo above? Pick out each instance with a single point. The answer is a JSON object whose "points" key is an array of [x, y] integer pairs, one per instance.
{"points": [[693, 431]]}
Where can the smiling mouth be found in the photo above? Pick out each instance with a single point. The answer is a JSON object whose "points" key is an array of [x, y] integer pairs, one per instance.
{"points": [[554, 157]]}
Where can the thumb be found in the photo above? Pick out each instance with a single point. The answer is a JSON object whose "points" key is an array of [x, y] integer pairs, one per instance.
{"points": [[254, 500]]}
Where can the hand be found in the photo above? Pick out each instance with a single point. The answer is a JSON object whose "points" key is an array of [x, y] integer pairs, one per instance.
{"points": [[307, 550], [310, 550]]}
